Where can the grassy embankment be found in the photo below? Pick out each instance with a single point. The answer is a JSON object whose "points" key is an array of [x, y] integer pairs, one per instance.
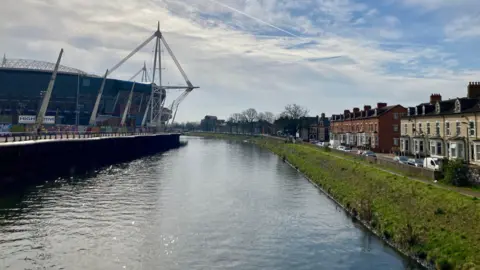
{"points": [[439, 226]]}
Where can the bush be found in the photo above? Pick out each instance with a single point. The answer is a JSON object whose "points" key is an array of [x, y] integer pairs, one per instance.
{"points": [[456, 173]]}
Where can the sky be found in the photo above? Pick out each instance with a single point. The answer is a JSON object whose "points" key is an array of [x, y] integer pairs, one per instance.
{"points": [[326, 55]]}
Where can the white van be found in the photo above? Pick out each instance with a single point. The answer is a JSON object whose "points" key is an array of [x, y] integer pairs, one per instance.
{"points": [[432, 163]]}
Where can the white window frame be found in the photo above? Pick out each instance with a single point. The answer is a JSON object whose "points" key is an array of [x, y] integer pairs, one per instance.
{"points": [[471, 130], [477, 152], [405, 131], [458, 128], [395, 128], [396, 141], [420, 128], [437, 128], [428, 128], [447, 128]]}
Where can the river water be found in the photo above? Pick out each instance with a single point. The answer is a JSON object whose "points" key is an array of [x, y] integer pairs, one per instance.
{"points": [[210, 205]]}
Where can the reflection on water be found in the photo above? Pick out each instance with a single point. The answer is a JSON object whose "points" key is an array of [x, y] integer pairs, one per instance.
{"points": [[211, 205]]}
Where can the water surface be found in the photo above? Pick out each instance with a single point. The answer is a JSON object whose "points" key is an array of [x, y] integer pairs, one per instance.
{"points": [[210, 205]]}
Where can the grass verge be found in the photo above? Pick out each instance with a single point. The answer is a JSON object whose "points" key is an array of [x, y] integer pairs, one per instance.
{"points": [[437, 226]]}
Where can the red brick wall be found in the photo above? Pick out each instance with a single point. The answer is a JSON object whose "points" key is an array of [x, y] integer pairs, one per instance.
{"points": [[385, 132]]}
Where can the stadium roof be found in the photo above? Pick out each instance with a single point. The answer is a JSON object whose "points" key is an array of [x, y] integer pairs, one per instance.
{"points": [[27, 64]]}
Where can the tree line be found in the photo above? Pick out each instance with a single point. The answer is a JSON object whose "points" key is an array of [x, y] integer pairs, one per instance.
{"points": [[288, 121]]}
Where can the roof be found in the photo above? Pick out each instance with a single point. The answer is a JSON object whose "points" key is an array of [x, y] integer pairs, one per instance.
{"points": [[447, 107], [28, 64], [367, 114]]}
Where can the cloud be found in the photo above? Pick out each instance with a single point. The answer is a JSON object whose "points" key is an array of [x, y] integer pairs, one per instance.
{"points": [[343, 53], [463, 27]]}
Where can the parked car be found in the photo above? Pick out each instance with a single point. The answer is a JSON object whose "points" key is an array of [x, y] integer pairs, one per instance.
{"points": [[347, 149], [341, 148], [369, 154], [401, 159], [415, 162], [432, 163]]}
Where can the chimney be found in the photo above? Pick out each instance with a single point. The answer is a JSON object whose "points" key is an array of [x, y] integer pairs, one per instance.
{"points": [[434, 98], [346, 112], [367, 107], [473, 90], [322, 116], [381, 105], [356, 110]]}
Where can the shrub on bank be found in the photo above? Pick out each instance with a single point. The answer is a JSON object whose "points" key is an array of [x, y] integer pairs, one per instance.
{"points": [[455, 172]]}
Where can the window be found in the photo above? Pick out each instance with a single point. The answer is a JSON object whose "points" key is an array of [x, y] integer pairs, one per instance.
{"points": [[405, 130], [453, 150], [428, 128], [406, 145], [420, 130], [439, 148], [395, 141], [415, 144], [437, 108], [471, 127], [413, 128], [437, 128], [375, 126], [458, 108], [460, 150], [447, 128], [458, 130], [395, 128], [477, 152], [395, 116], [421, 146], [432, 148]]}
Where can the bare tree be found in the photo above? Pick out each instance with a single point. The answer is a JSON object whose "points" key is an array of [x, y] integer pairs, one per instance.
{"points": [[294, 111], [269, 117], [261, 116], [250, 116]]}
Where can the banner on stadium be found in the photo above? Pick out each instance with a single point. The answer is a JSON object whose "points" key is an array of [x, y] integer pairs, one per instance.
{"points": [[30, 119]]}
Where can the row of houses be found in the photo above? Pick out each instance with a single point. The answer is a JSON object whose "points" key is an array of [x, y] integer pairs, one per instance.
{"points": [[444, 128], [437, 128], [374, 128]]}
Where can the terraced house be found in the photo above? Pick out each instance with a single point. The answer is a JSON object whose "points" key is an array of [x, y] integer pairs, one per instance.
{"points": [[377, 129], [444, 128]]}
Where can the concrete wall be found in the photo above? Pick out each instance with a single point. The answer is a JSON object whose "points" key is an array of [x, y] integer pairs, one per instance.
{"points": [[24, 163]]}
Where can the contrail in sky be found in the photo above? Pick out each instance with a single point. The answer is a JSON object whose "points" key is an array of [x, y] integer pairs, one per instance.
{"points": [[256, 19]]}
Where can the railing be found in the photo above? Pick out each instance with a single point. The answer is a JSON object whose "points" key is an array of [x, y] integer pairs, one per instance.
{"points": [[33, 136]]}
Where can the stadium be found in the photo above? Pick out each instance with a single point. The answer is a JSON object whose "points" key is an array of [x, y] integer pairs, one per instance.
{"points": [[23, 83]]}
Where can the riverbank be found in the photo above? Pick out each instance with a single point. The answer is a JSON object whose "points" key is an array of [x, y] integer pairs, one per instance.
{"points": [[438, 226]]}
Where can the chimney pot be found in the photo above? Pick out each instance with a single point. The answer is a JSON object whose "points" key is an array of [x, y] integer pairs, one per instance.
{"points": [[381, 105]]}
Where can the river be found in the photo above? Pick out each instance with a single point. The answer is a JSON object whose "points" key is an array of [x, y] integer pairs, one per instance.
{"points": [[210, 205]]}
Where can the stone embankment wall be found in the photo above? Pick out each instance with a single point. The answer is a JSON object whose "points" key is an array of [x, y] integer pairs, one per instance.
{"points": [[34, 161]]}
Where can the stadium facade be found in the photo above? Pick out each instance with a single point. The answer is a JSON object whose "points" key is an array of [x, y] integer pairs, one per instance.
{"points": [[23, 83]]}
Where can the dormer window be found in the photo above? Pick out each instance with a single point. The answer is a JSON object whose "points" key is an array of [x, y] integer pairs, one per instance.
{"points": [[458, 108], [408, 111], [423, 110], [376, 112], [416, 110], [437, 107]]}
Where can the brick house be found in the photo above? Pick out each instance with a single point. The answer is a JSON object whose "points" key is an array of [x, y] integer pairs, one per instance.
{"points": [[377, 129]]}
